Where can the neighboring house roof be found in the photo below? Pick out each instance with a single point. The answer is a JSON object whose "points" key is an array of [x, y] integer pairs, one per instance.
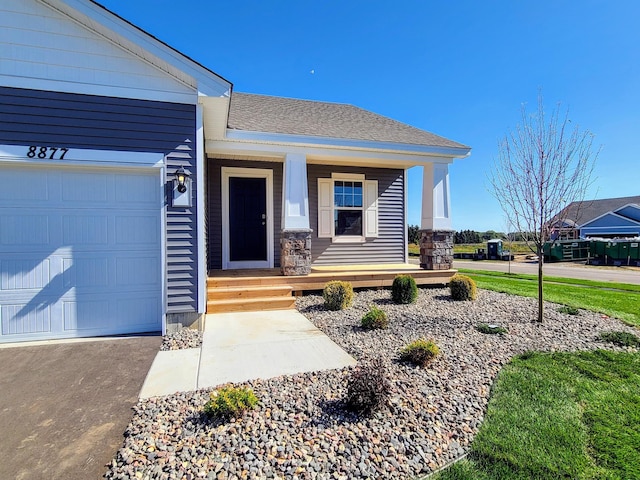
{"points": [[288, 116], [583, 212]]}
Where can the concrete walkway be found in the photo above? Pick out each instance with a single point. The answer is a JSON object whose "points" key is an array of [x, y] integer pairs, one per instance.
{"points": [[244, 346]]}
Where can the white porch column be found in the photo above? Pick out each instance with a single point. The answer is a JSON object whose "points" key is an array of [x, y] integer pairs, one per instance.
{"points": [[436, 214], [295, 242], [295, 207], [436, 235]]}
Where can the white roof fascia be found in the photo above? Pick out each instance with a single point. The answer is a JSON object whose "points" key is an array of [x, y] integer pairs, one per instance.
{"points": [[143, 45], [632, 205], [367, 145], [324, 154], [626, 219]]}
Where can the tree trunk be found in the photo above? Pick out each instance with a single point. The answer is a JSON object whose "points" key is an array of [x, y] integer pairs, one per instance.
{"points": [[540, 297]]}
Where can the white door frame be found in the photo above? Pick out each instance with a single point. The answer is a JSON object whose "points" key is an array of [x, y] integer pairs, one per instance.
{"points": [[267, 174]]}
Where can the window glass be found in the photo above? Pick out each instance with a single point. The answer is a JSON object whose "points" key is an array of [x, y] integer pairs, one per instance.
{"points": [[348, 222]]}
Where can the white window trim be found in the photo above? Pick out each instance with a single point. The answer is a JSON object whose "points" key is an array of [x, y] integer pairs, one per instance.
{"points": [[369, 208]]}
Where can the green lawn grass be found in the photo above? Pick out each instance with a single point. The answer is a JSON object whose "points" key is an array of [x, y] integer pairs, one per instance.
{"points": [[559, 416], [613, 299]]}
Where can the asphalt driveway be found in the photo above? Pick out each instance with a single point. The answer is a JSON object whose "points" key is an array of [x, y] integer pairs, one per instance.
{"points": [[65, 406]]}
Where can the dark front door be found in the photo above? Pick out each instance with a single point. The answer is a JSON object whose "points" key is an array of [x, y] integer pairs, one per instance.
{"points": [[247, 219]]}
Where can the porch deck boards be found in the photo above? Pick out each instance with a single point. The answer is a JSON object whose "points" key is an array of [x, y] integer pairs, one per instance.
{"points": [[229, 290], [360, 276]]}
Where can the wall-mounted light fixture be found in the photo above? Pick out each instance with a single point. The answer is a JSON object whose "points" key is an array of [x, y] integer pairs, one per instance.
{"points": [[181, 189], [181, 178]]}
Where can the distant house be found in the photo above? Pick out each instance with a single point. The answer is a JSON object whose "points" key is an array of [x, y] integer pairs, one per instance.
{"points": [[605, 218], [131, 173]]}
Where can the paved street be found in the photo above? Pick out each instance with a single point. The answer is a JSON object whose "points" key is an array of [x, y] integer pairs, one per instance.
{"points": [[568, 270]]}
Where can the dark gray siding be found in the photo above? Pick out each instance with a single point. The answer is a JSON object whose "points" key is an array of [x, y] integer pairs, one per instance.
{"points": [[34, 117], [389, 246], [214, 206]]}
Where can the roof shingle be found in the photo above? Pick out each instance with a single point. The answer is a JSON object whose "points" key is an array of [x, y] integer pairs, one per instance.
{"points": [[586, 211], [262, 113]]}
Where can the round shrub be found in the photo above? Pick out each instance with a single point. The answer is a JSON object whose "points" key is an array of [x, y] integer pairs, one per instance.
{"points": [[463, 288], [368, 387], [337, 295], [420, 352], [404, 289], [230, 402], [374, 319]]}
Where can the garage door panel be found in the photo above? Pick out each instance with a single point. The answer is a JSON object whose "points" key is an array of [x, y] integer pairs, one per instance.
{"points": [[82, 256], [24, 274], [85, 272], [138, 271], [25, 185], [86, 315], [141, 190], [85, 229], [137, 230], [137, 310], [24, 229], [20, 319], [86, 187]]}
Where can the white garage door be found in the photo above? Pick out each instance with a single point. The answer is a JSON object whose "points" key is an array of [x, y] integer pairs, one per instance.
{"points": [[80, 252]]}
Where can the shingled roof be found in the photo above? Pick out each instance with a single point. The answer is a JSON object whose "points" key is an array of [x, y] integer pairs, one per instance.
{"points": [[288, 116], [590, 209]]}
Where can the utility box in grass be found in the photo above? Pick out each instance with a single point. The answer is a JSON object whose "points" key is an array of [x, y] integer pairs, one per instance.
{"points": [[494, 249]]}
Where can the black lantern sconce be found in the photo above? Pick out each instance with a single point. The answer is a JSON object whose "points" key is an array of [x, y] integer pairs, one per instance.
{"points": [[181, 189], [181, 178]]}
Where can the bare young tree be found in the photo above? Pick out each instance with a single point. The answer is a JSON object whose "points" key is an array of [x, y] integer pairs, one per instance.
{"points": [[541, 166]]}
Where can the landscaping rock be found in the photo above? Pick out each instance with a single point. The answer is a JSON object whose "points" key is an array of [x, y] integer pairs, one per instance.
{"points": [[300, 428]]}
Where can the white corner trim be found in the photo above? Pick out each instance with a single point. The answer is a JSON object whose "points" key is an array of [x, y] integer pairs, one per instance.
{"points": [[200, 209], [73, 156], [163, 249]]}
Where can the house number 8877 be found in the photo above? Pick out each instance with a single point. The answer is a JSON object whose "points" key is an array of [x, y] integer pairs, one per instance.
{"points": [[52, 153]]}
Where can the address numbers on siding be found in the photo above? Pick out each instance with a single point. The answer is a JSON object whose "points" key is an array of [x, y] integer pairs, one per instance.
{"points": [[52, 153]]}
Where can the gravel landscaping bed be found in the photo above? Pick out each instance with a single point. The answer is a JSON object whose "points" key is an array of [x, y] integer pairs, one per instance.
{"points": [[300, 428], [183, 338]]}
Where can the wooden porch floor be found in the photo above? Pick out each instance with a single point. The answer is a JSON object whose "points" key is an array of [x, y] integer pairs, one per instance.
{"points": [[360, 276], [268, 289]]}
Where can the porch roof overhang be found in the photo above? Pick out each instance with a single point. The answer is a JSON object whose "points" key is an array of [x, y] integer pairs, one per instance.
{"points": [[330, 151]]}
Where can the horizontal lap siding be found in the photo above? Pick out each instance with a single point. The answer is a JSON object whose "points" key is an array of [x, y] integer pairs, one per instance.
{"points": [[389, 246], [34, 117], [214, 206]]}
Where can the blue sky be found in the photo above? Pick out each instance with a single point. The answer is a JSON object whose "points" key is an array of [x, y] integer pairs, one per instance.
{"points": [[460, 69]]}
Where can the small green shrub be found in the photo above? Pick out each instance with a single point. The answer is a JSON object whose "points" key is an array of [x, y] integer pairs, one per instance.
{"points": [[569, 310], [368, 387], [374, 319], [463, 288], [622, 339], [404, 289], [491, 329], [230, 402], [420, 352], [337, 295]]}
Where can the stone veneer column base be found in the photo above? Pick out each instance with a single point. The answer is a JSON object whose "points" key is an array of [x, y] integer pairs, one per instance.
{"points": [[436, 249], [295, 252]]}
